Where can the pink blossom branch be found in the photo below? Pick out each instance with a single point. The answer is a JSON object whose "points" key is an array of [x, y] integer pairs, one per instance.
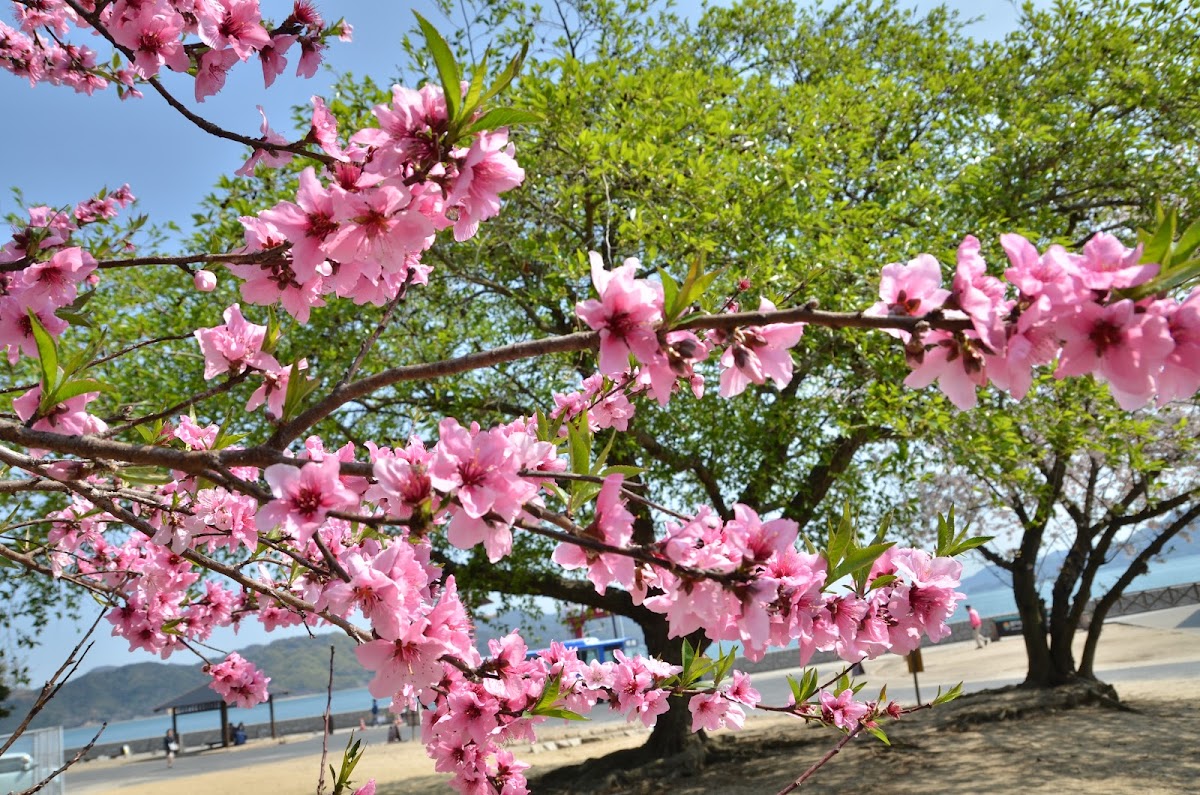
{"points": [[207, 126], [583, 340], [573, 534], [139, 523]]}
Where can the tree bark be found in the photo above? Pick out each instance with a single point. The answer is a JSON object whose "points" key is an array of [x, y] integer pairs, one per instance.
{"points": [[672, 734]]}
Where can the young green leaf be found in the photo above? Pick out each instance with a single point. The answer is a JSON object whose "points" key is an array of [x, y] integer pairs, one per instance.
{"points": [[949, 695], [878, 732], [47, 356], [502, 117], [447, 66], [508, 75]]}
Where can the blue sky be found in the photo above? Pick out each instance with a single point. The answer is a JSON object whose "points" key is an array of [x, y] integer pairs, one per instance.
{"points": [[171, 165]]}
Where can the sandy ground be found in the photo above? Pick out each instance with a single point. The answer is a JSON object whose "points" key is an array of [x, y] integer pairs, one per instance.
{"points": [[1084, 751]]}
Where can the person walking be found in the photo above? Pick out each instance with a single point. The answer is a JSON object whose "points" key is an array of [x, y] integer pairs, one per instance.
{"points": [[171, 746], [976, 627]]}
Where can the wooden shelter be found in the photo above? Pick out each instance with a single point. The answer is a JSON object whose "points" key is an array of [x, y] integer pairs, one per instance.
{"points": [[202, 699]]}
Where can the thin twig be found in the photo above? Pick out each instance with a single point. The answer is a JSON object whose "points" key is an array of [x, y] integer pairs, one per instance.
{"points": [[328, 718], [53, 685], [370, 341], [93, 19], [834, 751], [212, 391]]}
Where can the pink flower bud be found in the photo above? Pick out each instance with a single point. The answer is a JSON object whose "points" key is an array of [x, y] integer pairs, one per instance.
{"points": [[206, 281]]}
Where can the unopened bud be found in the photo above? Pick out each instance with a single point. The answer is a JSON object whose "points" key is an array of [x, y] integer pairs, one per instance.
{"points": [[205, 281]]}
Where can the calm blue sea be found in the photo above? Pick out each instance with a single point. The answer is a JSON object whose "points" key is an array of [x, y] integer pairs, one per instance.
{"points": [[996, 602]]}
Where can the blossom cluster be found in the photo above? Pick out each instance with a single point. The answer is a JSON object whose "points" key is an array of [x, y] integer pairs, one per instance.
{"points": [[1066, 307], [629, 318], [357, 229], [42, 269], [205, 38]]}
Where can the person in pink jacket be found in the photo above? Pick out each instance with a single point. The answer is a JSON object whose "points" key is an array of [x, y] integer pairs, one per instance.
{"points": [[976, 625]]}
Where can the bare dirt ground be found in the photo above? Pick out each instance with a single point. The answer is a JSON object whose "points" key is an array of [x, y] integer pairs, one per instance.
{"points": [[991, 743]]}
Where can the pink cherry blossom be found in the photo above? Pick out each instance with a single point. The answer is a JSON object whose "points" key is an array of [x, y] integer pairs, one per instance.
{"points": [[488, 170], [842, 710], [627, 315], [910, 290], [956, 363], [232, 23], [233, 347], [214, 67], [756, 353], [979, 296], [1107, 265], [239, 682], [612, 525], [303, 497], [1121, 345], [1180, 376]]}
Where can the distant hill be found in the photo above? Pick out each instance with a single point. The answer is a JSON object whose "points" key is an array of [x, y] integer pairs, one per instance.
{"points": [[296, 666], [991, 578]]}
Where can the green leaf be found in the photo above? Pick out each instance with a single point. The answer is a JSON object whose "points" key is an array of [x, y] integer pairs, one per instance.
{"points": [[502, 117], [882, 580], [689, 654], [47, 356], [146, 475], [549, 694], [509, 74], [949, 695], [628, 470], [969, 543], [878, 732], [670, 292], [1158, 245], [945, 529], [600, 459], [580, 440], [298, 389], [859, 561], [797, 690], [1188, 242], [447, 66], [71, 389], [475, 90], [561, 712]]}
